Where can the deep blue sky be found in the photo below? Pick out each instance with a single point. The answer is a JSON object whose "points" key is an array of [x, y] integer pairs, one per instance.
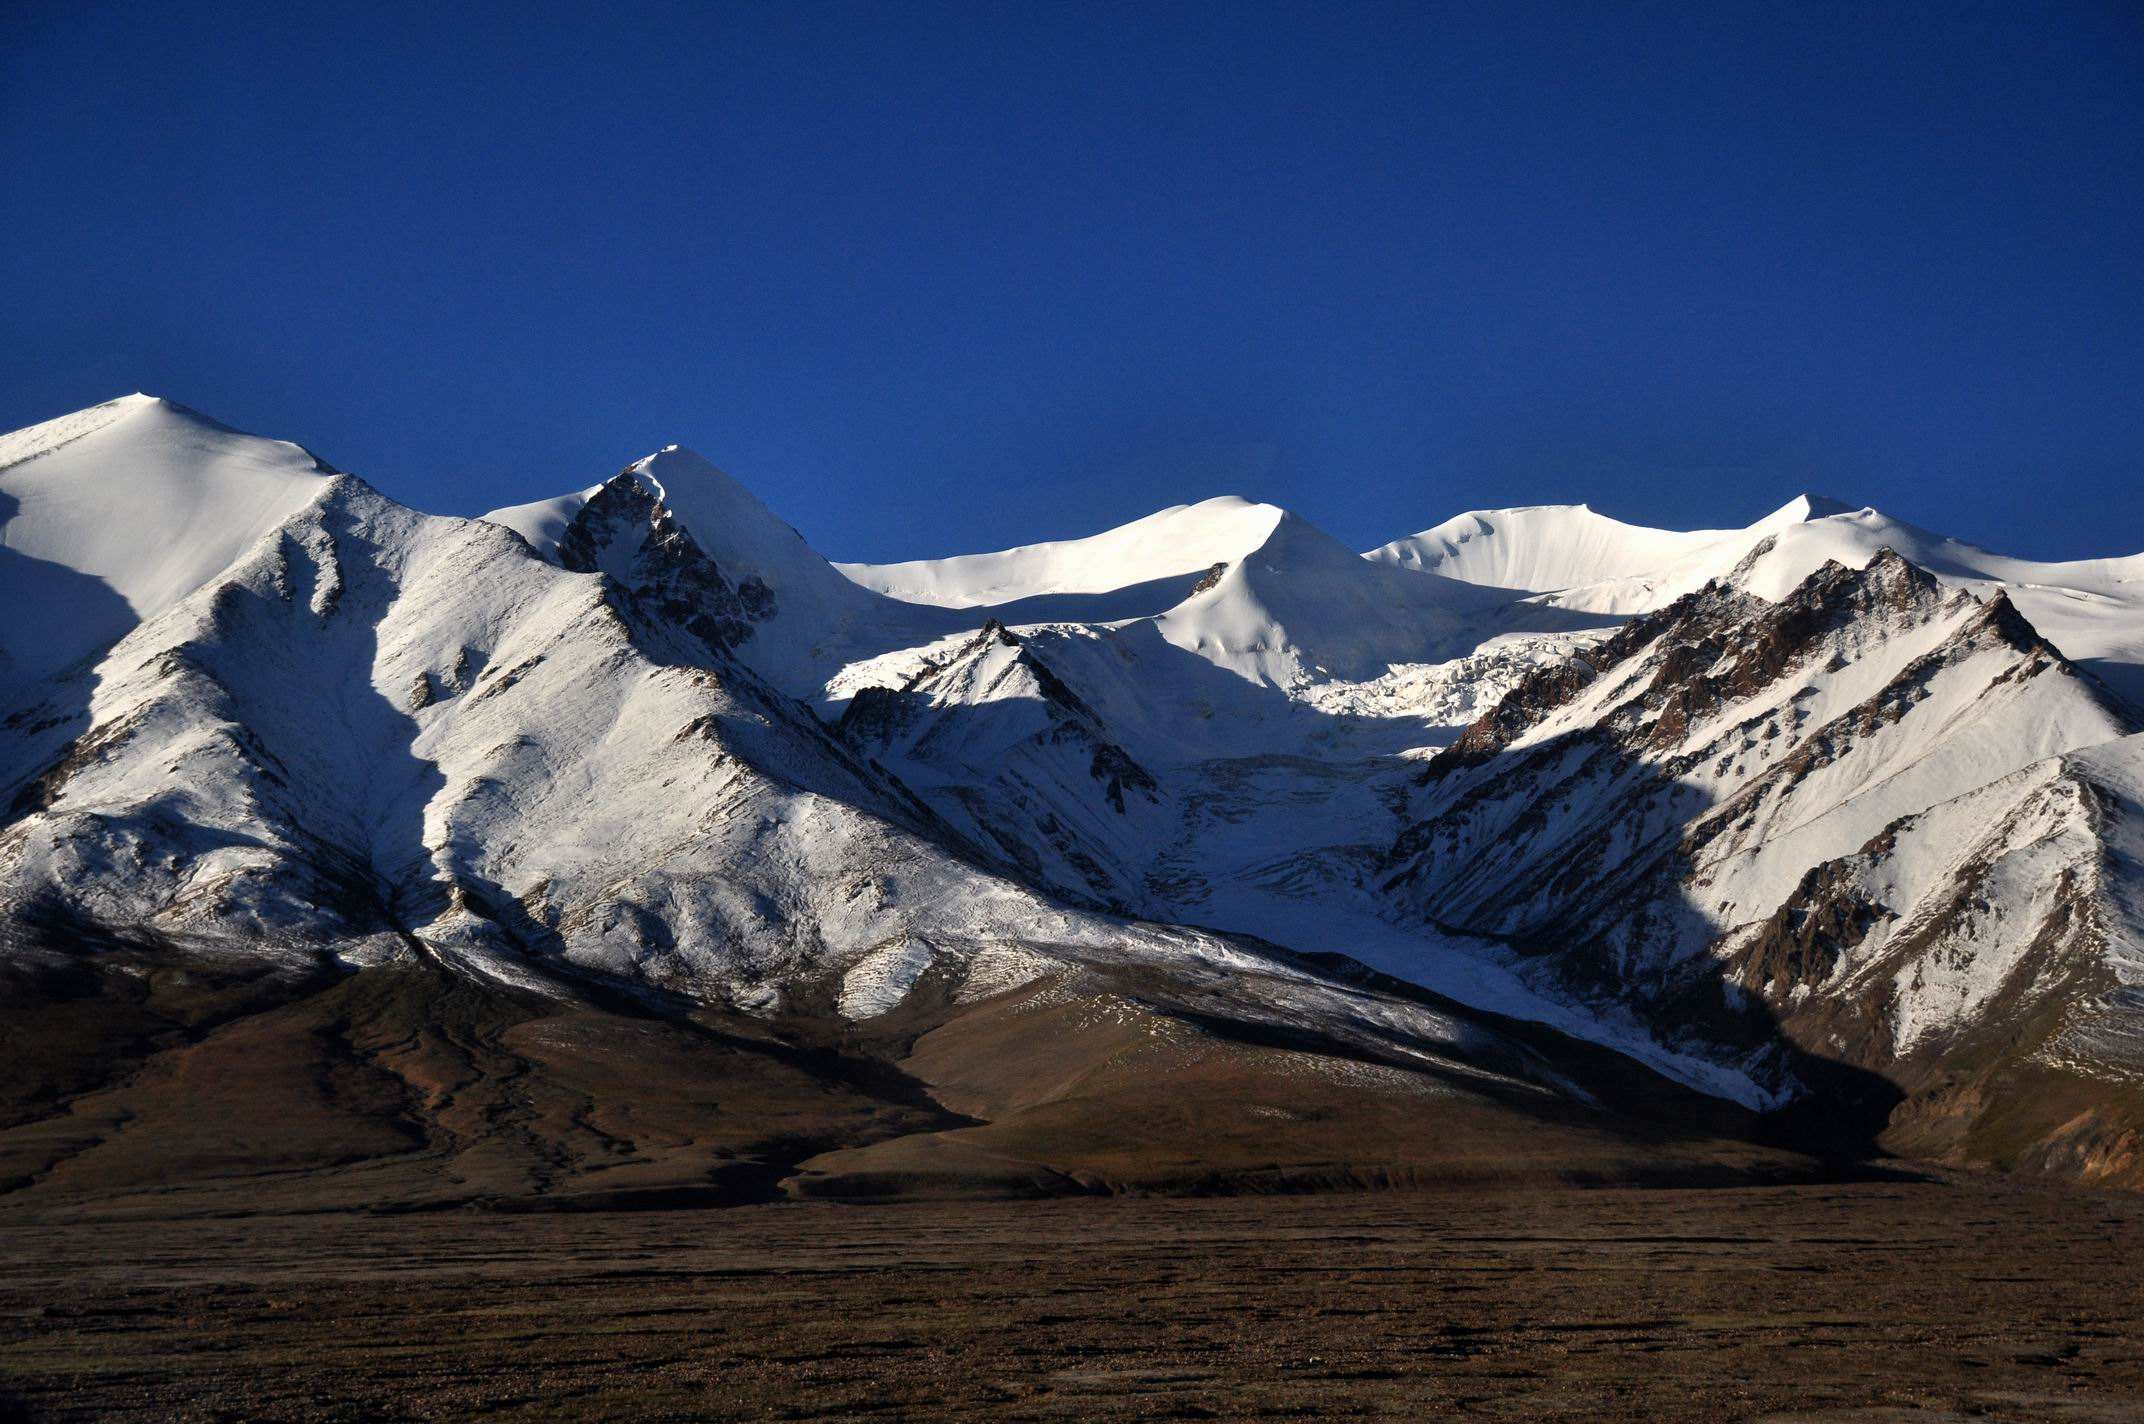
{"points": [[934, 278]]}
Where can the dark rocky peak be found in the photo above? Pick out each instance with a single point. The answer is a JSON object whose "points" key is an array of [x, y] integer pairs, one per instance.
{"points": [[626, 531], [1114, 768], [2002, 623], [619, 515], [2002, 619], [1837, 594], [877, 716], [1758, 553], [1761, 638], [1786, 635], [1703, 664], [1897, 582]]}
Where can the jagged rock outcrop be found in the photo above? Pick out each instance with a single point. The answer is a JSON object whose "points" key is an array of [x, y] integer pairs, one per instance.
{"points": [[627, 531]]}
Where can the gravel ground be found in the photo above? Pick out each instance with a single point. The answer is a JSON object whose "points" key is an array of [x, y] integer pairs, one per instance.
{"points": [[1957, 1298]]}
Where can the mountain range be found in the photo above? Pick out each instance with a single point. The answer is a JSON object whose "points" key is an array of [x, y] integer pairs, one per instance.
{"points": [[618, 848]]}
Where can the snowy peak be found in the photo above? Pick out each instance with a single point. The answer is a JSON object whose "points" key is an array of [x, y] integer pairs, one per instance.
{"points": [[1550, 548], [110, 515], [996, 666], [49, 435], [675, 528], [1153, 557], [1569, 558], [1791, 550], [725, 520], [1541, 548], [1805, 507], [1302, 607], [1250, 587], [149, 421]]}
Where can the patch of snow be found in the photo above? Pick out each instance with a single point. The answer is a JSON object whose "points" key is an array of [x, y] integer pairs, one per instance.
{"points": [[878, 982]]}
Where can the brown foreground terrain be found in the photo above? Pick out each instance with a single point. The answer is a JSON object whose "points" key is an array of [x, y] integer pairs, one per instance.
{"points": [[1963, 1297]]}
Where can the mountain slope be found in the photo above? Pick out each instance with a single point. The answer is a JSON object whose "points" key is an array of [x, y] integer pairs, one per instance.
{"points": [[396, 724], [1007, 751], [816, 621], [112, 514], [1756, 821]]}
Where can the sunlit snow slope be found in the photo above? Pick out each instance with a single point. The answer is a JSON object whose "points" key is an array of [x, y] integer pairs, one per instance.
{"points": [[112, 514], [1159, 550]]}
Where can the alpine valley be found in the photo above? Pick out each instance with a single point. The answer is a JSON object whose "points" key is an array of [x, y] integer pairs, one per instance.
{"points": [[617, 849]]}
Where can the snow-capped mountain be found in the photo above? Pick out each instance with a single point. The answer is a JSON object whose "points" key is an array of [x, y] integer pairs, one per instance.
{"points": [[1824, 811], [111, 515], [814, 621], [1844, 822], [1568, 557]]}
